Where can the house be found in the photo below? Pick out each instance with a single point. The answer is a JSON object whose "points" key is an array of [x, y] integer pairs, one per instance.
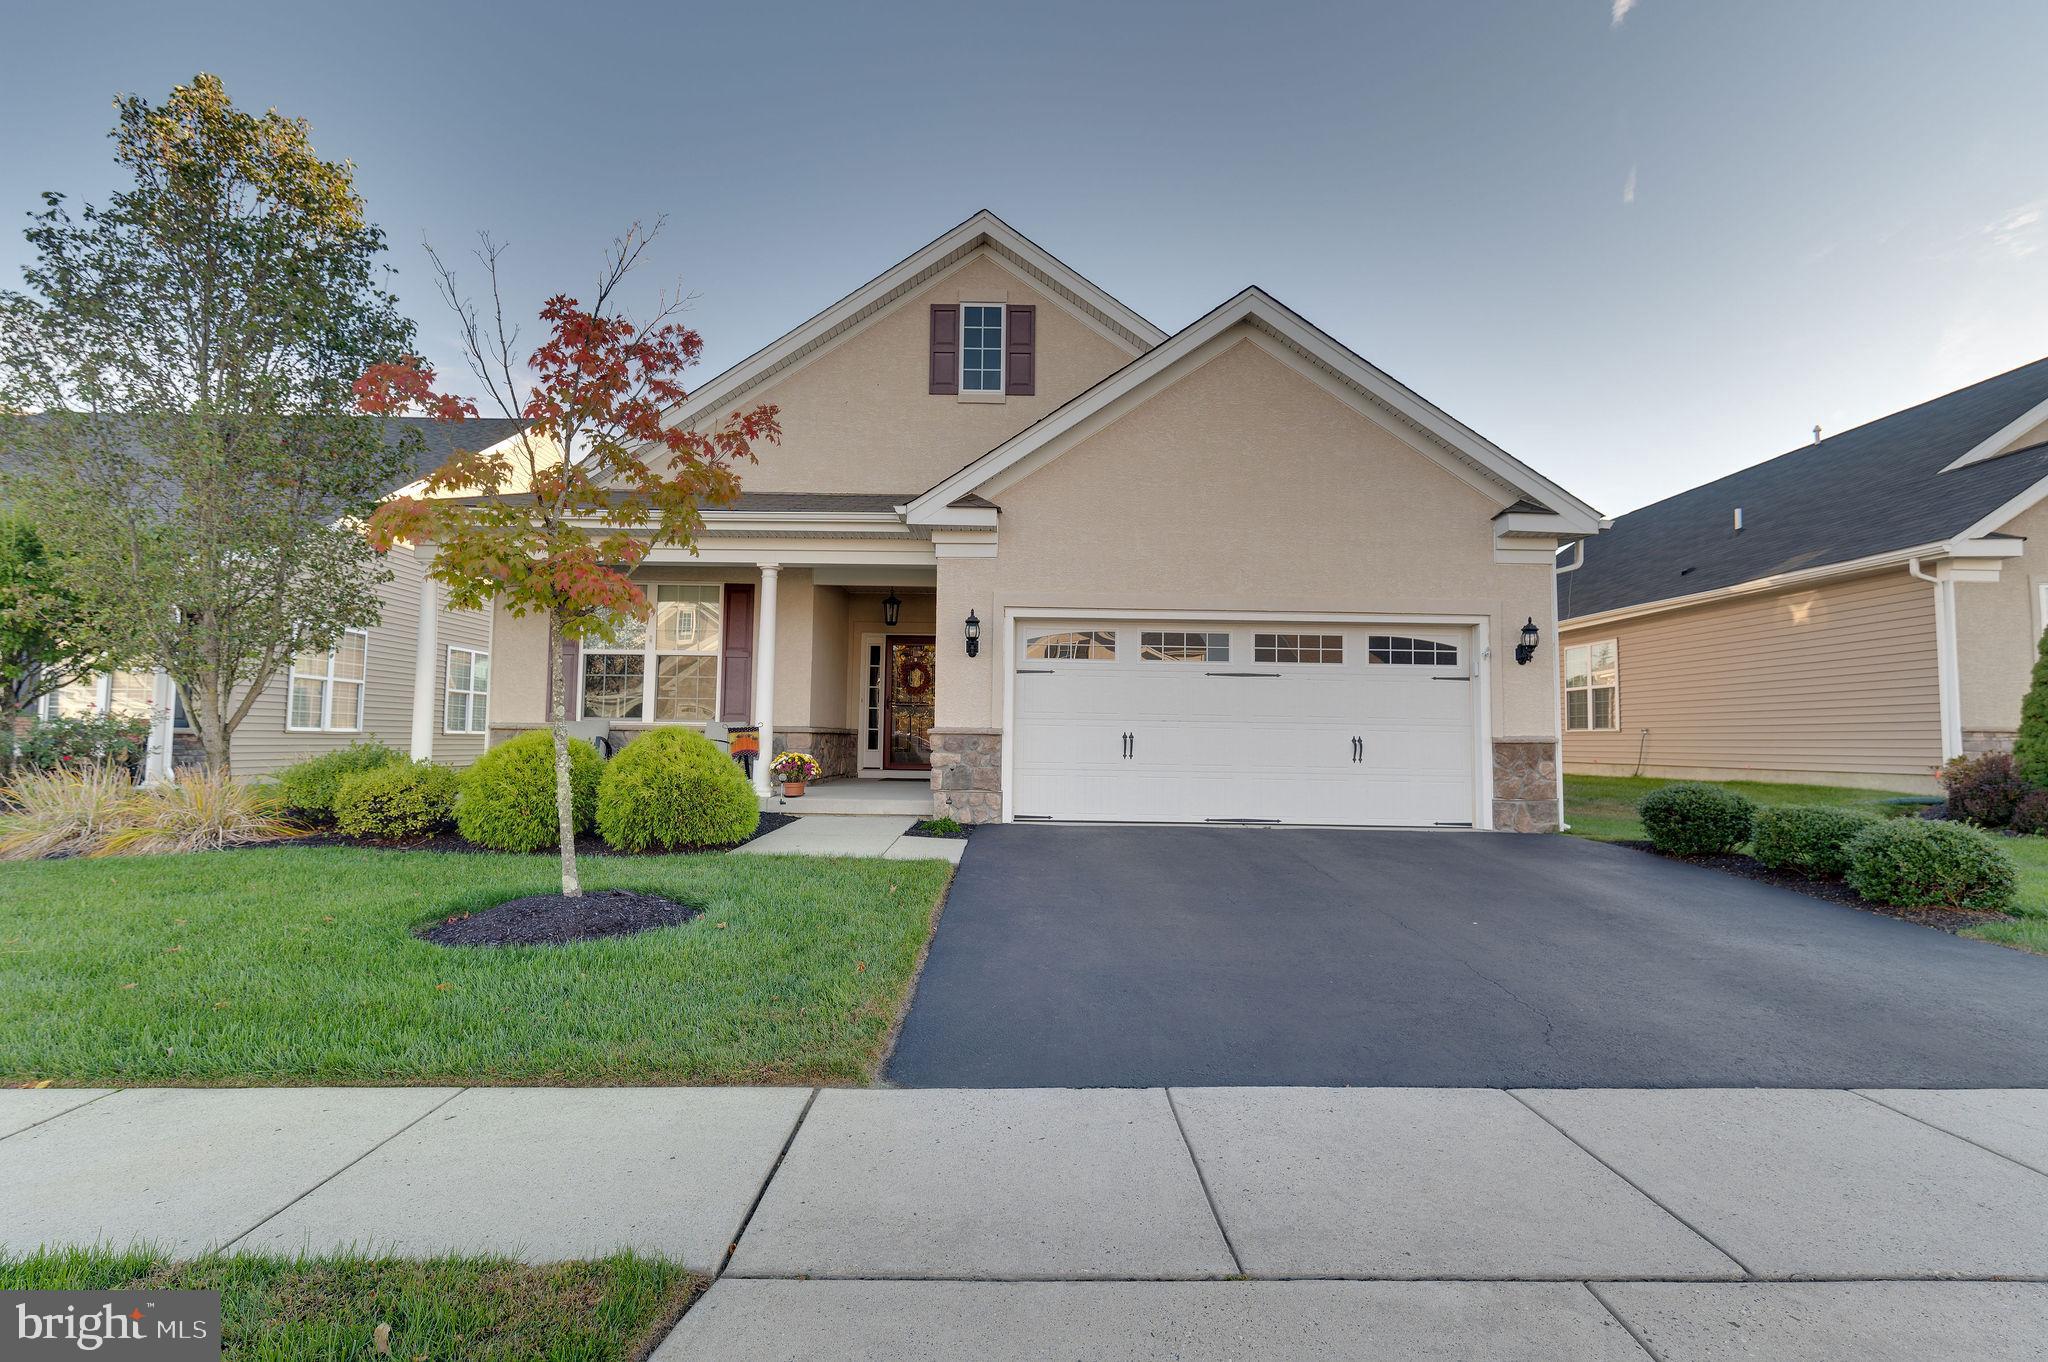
{"points": [[1035, 558], [1857, 611], [418, 680]]}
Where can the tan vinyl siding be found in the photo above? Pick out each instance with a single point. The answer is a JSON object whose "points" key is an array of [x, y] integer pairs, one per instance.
{"points": [[1829, 683], [1998, 632]]}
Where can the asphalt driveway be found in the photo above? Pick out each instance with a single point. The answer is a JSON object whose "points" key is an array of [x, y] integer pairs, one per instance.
{"points": [[1075, 956]]}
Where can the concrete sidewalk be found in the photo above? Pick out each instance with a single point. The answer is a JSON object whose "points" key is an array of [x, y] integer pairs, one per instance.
{"points": [[1119, 1223], [854, 835]]}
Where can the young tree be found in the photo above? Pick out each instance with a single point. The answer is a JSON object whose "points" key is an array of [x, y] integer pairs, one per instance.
{"points": [[39, 649], [192, 458], [560, 536]]}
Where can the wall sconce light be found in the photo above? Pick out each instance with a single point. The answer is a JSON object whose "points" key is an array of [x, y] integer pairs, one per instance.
{"points": [[1526, 649], [973, 634], [892, 610]]}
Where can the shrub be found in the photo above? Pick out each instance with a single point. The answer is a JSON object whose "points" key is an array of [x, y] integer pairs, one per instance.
{"points": [[674, 788], [311, 785], [76, 743], [943, 827], [63, 812], [2030, 744], [1812, 841], [1696, 820], [508, 798], [394, 803], [1910, 862], [1983, 790], [201, 811], [2031, 817]]}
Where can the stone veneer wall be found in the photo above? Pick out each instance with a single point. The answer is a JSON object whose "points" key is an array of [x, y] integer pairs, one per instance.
{"points": [[967, 774], [1978, 741], [833, 747], [1525, 785]]}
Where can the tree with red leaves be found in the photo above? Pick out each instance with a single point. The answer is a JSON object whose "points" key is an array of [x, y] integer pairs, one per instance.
{"points": [[554, 522]]}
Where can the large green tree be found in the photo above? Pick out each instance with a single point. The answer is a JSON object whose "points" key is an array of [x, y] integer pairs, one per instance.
{"points": [[180, 360], [39, 649]]}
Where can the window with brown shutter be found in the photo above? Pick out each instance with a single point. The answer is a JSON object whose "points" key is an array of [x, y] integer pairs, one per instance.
{"points": [[1020, 366], [945, 376]]}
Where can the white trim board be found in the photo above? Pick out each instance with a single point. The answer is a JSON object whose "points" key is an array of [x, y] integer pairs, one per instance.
{"points": [[1993, 445]]}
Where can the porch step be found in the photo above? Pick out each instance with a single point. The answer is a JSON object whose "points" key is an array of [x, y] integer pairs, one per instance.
{"points": [[911, 797]]}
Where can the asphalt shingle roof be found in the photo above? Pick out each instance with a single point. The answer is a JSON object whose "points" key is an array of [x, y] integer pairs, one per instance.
{"points": [[1871, 490]]}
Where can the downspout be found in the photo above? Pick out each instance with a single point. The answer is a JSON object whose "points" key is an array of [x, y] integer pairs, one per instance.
{"points": [[1948, 675], [1557, 671]]}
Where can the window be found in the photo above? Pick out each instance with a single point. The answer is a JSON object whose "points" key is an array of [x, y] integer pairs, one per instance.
{"points": [[1298, 648], [1173, 646], [131, 693], [469, 691], [1398, 650], [327, 688], [981, 348], [668, 671], [1094, 645], [1592, 687]]}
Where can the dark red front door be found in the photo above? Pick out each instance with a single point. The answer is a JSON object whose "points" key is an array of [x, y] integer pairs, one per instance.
{"points": [[908, 691]]}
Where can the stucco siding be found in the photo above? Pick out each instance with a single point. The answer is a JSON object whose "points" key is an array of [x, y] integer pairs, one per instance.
{"points": [[1998, 628], [1836, 682]]}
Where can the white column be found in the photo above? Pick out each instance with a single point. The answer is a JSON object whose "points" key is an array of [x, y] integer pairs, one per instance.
{"points": [[426, 669], [764, 673], [163, 713], [1948, 673]]}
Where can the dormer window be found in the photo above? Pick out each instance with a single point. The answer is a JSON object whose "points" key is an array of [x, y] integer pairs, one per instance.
{"points": [[981, 347]]}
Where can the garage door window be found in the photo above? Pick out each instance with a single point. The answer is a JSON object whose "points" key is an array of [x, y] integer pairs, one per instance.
{"points": [[1298, 648], [1398, 650], [1081, 645], [1173, 646], [1592, 687]]}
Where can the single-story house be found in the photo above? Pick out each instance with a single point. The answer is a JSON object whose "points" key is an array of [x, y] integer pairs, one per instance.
{"points": [[1857, 611], [1024, 551]]}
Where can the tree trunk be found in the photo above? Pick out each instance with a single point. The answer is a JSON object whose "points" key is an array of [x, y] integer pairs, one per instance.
{"points": [[565, 806], [215, 737]]}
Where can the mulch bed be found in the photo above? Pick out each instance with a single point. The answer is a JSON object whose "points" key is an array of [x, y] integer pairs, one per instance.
{"points": [[589, 844], [1950, 920], [918, 829], [551, 920]]}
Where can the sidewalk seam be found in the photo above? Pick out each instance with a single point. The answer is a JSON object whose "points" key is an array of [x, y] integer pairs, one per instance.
{"points": [[773, 1168], [1202, 1178], [1944, 1130], [1644, 1192], [58, 1116], [343, 1169], [1608, 1306]]}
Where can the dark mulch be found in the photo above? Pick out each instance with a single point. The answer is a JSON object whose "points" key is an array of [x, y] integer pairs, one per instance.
{"points": [[551, 920], [1950, 920], [589, 844], [924, 829]]}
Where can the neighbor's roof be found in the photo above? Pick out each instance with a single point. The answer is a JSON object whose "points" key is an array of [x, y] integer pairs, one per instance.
{"points": [[1879, 488]]}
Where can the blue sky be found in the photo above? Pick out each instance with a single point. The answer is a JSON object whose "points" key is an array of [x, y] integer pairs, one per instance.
{"points": [[1637, 244]]}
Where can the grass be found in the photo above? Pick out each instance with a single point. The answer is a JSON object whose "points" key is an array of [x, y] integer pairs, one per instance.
{"points": [[477, 1309], [298, 965], [1603, 808]]}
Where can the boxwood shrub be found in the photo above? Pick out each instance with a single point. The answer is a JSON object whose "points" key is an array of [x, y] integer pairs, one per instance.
{"points": [[1912, 862], [508, 798], [1690, 819], [309, 786], [673, 788], [1812, 841], [398, 802]]}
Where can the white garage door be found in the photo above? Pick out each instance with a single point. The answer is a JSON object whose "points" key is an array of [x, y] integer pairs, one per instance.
{"points": [[1179, 722]]}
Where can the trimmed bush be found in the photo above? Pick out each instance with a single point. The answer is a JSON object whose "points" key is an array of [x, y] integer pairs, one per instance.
{"points": [[396, 803], [1690, 819], [1984, 790], [1812, 841], [2031, 817], [673, 788], [2030, 744], [508, 798], [310, 786], [1912, 862]]}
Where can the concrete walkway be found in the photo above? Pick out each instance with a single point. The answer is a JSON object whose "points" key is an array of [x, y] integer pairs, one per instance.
{"points": [[854, 835], [1187, 1223]]}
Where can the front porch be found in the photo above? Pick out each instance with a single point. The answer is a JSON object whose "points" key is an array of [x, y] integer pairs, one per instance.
{"points": [[912, 798]]}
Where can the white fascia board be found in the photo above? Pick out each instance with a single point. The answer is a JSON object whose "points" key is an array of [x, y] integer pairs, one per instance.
{"points": [[1535, 525], [1999, 518], [2005, 435], [1255, 305]]}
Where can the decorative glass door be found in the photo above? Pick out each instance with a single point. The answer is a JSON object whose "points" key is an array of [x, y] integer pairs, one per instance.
{"points": [[907, 704]]}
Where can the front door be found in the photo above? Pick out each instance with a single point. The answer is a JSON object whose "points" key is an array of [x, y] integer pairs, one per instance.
{"points": [[907, 697]]}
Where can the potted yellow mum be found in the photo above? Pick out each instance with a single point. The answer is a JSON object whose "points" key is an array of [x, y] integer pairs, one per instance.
{"points": [[794, 770]]}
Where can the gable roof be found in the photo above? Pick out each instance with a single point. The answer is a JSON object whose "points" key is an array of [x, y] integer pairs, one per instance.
{"points": [[984, 229], [1896, 483], [1392, 403]]}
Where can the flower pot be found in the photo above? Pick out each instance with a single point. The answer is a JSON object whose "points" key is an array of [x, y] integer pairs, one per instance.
{"points": [[792, 789]]}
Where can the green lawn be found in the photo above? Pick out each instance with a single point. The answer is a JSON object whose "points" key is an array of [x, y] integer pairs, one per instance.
{"points": [[298, 965], [475, 1309]]}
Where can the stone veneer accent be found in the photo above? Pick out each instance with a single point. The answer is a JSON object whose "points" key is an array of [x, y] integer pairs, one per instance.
{"points": [[1978, 741], [1525, 785], [833, 747], [967, 774]]}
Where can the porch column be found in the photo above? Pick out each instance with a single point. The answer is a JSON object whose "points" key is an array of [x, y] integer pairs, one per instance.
{"points": [[427, 644], [764, 674], [163, 714]]}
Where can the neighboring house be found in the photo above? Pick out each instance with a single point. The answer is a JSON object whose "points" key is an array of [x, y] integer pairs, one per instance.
{"points": [[1857, 611], [418, 680], [1020, 546]]}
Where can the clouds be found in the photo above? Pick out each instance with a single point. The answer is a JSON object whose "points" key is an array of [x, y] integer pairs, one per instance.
{"points": [[1628, 186], [2020, 232], [1621, 9]]}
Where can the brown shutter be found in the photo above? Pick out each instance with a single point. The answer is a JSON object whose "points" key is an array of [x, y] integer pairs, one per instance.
{"points": [[945, 347], [1021, 341], [736, 657], [572, 659]]}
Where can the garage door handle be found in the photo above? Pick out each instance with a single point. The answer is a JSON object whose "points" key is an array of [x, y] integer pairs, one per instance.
{"points": [[1127, 746], [1358, 749]]}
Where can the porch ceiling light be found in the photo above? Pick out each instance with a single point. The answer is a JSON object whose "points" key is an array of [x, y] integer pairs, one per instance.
{"points": [[1526, 649], [892, 610], [973, 634]]}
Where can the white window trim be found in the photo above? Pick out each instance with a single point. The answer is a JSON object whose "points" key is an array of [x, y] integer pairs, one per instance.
{"points": [[1002, 354], [327, 679], [650, 659], [1613, 710], [449, 688]]}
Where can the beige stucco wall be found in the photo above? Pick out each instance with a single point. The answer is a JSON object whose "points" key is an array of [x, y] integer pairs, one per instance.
{"points": [[1244, 486], [857, 417], [1998, 628], [1833, 683]]}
